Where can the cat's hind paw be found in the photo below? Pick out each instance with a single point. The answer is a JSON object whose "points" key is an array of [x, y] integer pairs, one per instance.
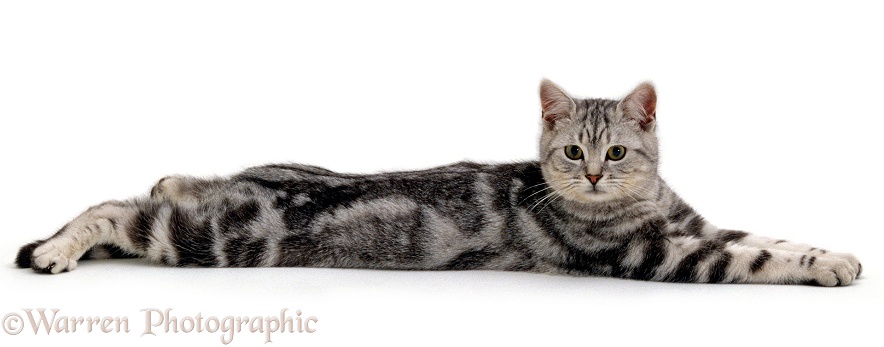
{"points": [[50, 258]]}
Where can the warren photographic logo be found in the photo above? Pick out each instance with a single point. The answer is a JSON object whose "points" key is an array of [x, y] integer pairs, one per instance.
{"points": [[157, 322]]}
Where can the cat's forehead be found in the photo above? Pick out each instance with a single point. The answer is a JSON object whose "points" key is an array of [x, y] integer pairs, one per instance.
{"points": [[595, 110], [597, 123]]}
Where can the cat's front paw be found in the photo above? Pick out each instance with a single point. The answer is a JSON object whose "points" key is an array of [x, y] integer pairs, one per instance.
{"points": [[850, 258], [52, 257], [832, 271]]}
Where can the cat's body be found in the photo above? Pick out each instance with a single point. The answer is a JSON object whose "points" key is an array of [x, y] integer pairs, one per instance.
{"points": [[592, 205]]}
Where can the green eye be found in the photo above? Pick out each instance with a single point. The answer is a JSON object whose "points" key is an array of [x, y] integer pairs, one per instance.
{"points": [[616, 152], [573, 152]]}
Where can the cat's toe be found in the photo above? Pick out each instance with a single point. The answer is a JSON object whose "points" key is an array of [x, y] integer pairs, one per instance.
{"points": [[845, 275]]}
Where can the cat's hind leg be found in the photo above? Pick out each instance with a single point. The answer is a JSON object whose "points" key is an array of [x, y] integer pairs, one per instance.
{"points": [[103, 224]]}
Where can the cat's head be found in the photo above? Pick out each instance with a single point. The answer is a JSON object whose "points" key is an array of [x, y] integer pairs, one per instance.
{"points": [[597, 150]]}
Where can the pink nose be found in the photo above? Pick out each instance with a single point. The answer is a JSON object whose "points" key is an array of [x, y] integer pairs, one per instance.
{"points": [[594, 178]]}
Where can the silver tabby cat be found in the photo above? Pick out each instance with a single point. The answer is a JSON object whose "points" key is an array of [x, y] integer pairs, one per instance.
{"points": [[592, 205]]}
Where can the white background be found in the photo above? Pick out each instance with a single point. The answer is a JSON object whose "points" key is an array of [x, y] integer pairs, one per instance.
{"points": [[770, 120]]}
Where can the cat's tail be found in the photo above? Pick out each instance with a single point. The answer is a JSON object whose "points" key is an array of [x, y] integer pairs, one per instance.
{"points": [[23, 259]]}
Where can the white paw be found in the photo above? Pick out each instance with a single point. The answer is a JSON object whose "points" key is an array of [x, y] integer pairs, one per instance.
{"points": [[53, 257], [831, 271], [850, 258]]}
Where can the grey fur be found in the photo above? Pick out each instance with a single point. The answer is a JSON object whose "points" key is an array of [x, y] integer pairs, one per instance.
{"points": [[542, 216]]}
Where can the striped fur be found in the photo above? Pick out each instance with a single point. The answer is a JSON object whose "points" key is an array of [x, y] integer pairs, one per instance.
{"points": [[544, 216]]}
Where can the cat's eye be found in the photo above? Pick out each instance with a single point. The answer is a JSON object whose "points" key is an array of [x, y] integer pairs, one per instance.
{"points": [[573, 152], [616, 152]]}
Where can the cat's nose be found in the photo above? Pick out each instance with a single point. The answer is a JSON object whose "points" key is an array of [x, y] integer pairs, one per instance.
{"points": [[594, 178]]}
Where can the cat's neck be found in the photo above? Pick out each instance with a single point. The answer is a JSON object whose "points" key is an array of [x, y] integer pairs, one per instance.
{"points": [[602, 210], [611, 208]]}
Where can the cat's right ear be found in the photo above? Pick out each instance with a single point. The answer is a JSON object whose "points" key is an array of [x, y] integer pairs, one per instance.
{"points": [[556, 104]]}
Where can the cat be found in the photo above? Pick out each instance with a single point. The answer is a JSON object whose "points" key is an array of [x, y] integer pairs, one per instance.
{"points": [[592, 205]]}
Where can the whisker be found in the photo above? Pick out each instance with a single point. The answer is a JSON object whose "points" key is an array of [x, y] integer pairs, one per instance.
{"points": [[545, 197], [625, 190], [568, 189], [550, 202], [535, 193]]}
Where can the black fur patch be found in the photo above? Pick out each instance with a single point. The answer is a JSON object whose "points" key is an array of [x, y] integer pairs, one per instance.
{"points": [[679, 211], [109, 252], [695, 226], [655, 253], [686, 271], [718, 269], [245, 252], [142, 225], [731, 235], [470, 260], [23, 259], [811, 282], [192, 240], [759, 261], [240, 215], [118, 253]]}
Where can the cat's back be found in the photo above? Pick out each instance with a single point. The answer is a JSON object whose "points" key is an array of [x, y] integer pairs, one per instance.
{"points": [[465, 171]]}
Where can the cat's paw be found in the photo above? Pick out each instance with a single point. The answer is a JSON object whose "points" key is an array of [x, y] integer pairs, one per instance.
{"points": [[850, 258], [833, 271], [52, 257]]}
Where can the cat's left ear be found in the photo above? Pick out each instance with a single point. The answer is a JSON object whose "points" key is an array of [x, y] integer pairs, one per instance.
{"points": [[641, 105]]}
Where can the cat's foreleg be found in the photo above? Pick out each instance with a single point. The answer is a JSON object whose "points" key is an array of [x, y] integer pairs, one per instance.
{"points": [[692, 259], [767, 242], [699, 227], [684, 220]]}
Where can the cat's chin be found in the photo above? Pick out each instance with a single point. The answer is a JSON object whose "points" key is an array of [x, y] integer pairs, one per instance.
{"points": [[594, 196]]}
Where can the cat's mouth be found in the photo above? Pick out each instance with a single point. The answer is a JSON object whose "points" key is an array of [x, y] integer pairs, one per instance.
{"points": [[595, 192]]}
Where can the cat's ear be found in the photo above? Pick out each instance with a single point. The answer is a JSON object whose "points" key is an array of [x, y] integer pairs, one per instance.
{"points": [[641, 105], [556, 104]]}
